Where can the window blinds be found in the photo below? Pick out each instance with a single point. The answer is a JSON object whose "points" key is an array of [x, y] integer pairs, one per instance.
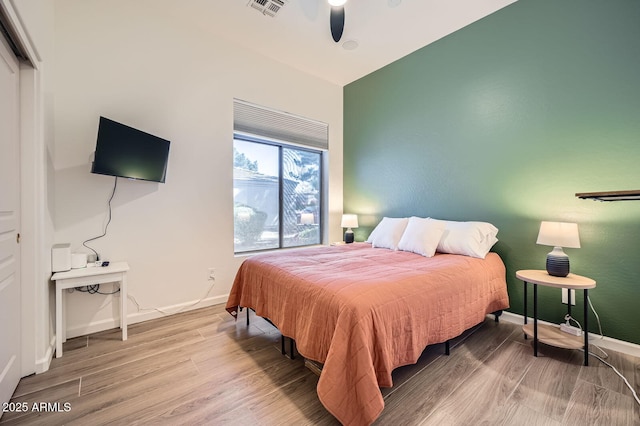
{"points": [[283, 126]]}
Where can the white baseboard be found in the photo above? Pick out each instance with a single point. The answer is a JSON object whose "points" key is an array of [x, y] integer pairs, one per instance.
{"points": [[144, 314], [149, 314], [594, 339], [44, 363]]}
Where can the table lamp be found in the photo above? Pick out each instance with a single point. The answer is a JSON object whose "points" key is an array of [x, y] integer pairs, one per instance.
{"points": [[558, 235], [307, 219], [349, 221]]}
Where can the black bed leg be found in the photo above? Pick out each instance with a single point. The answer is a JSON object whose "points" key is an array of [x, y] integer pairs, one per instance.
{"points": [[497, 315], [447, 350], [248, 316], [291, 348]]}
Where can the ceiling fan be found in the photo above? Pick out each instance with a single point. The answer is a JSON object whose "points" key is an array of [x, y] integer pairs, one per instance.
{"points": [[336, 18]]}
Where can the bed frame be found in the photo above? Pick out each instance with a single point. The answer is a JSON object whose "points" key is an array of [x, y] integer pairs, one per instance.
{"points": [[318, 367]]}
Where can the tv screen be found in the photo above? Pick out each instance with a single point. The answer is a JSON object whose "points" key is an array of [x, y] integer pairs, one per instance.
{"points": [[129, 153]]}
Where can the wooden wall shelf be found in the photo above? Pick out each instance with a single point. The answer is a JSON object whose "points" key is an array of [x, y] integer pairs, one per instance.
{"points": [[610, 195]]}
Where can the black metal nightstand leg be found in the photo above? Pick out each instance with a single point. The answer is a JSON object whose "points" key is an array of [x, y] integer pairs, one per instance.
{"points": [[535, 320], [525, 307], [586, 327]]}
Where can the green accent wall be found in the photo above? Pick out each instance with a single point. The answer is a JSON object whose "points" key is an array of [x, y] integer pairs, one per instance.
{"points": [[504, 121]]}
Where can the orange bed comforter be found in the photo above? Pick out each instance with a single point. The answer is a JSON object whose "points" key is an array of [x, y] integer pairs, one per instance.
{"points": [[363, 311]]}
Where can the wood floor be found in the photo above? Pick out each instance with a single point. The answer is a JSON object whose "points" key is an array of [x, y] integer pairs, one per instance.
{"points": [[202, 367]]}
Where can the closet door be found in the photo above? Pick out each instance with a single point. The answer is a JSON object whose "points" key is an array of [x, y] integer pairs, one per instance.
{"points": [[10, 303]]}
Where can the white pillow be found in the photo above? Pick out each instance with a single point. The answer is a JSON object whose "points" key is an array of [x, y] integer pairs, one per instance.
{"points": [[388, 233], [422, 236], [473, 239]]}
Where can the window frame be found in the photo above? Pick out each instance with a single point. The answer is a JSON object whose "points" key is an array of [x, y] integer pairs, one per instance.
{"points": [[281, 145]]}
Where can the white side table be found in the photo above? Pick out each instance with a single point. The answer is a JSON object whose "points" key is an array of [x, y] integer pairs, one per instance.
{"points": [[116, 272], [548, 334]]}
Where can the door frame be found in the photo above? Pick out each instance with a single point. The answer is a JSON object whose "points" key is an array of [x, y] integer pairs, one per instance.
{"points": [[35, 269]]}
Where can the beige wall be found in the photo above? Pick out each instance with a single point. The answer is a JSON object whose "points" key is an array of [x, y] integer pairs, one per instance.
{"points": [[134, 63]]}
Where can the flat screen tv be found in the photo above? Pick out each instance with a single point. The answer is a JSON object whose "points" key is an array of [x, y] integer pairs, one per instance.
{"points": [[126, 152]]}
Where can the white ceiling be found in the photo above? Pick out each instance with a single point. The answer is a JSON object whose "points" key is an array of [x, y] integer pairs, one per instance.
{"points": [[299, 34]]}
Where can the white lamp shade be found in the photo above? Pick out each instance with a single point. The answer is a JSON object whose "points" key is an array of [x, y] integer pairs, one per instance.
{"points": [[559, 234], [349, 221], [306, 219], [337, 2]]}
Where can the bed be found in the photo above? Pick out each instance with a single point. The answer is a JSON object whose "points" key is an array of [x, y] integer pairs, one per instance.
{"points": [[363, 311]]}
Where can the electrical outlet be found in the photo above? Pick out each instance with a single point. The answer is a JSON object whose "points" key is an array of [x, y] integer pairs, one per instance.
{"points": [[565, 296], [212, 274]]}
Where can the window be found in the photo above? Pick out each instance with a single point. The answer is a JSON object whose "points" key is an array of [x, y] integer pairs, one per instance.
{"points": [[277, 183], [276, 194]]}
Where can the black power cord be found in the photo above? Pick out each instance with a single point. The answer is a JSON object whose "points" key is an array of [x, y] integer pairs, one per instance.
{"points": [[95, 289], [115, 184]]}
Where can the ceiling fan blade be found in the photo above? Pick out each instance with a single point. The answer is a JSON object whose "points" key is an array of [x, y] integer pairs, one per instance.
{"points": [[336, 20]]}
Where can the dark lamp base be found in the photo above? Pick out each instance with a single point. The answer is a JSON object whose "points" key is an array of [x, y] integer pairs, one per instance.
{"points": [[348, 237], [557, 266]]}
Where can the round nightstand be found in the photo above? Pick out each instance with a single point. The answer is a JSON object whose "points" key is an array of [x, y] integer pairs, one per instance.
{"points": [[548, 334]]}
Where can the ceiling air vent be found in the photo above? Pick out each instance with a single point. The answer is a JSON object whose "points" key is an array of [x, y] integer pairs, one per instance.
{"points": [[267, 7]]}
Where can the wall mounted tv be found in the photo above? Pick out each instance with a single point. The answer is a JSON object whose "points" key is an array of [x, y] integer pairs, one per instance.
{"points": [[126, 152]]}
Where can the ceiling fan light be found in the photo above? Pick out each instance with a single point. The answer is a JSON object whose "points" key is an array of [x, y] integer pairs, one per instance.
{"points": [[337, 2]]}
